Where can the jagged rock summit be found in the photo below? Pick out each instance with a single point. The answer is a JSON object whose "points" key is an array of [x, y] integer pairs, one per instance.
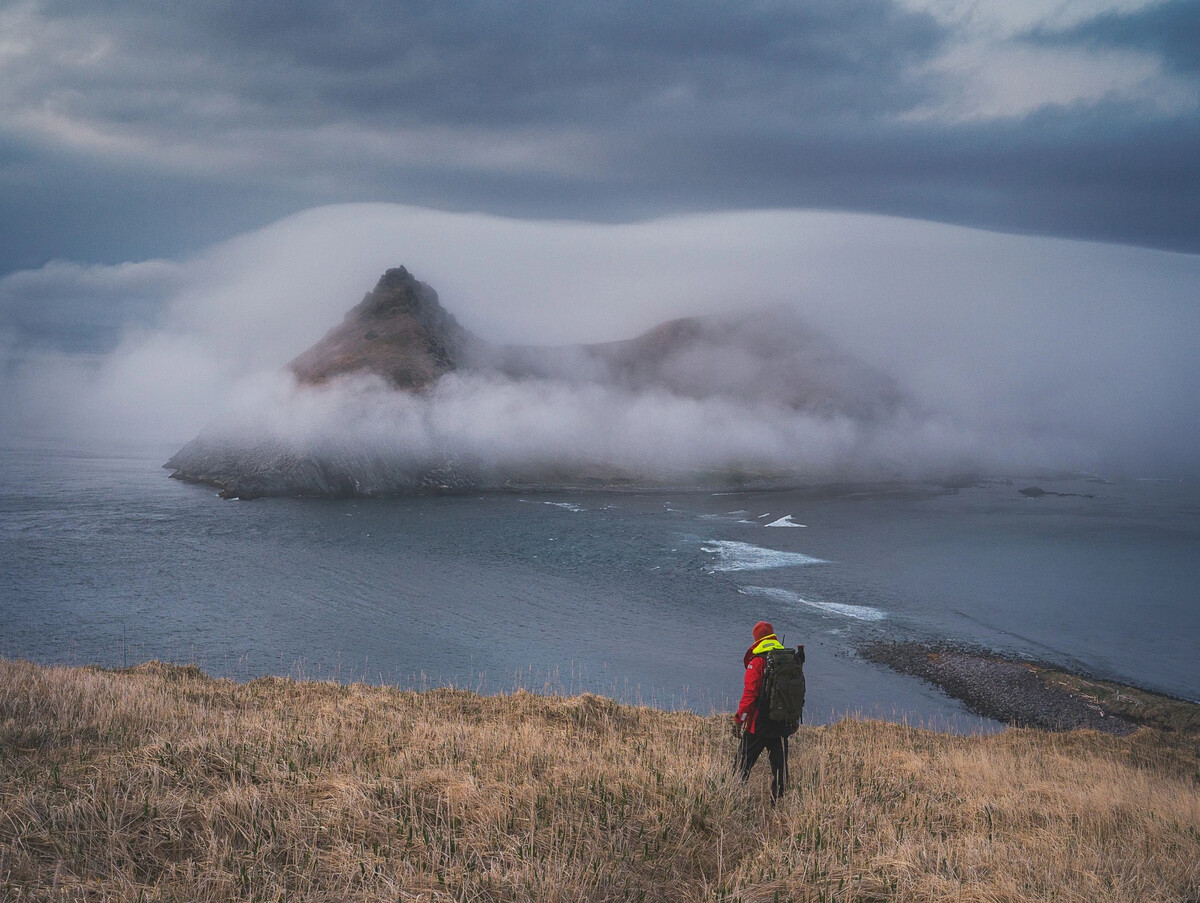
{"points": [[768, 363], [398, 331]]}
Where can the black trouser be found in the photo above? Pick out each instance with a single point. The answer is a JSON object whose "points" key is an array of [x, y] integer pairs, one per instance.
{"points": [[777, 750]]}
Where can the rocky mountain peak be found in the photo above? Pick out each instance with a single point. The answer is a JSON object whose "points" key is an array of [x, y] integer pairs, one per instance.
{"points": [[398, 331], [396, 291]]}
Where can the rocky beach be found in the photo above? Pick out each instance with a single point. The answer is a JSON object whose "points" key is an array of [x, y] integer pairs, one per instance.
{"points": [[1029, 694]]}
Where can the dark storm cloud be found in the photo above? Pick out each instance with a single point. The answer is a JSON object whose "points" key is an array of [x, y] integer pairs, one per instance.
{"points": [[143, 129], [1170, 30], [59, 205], [544, 61], [530, 63], [1058, 172]]}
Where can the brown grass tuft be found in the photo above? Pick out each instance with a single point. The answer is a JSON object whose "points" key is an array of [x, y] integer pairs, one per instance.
{"points": [[158, 783]]}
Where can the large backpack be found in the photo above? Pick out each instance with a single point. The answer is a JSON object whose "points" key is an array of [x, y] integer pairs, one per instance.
{"points": [[782, 695]]}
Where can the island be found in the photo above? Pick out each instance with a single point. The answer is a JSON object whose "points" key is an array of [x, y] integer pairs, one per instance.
{"points": [[400, 343]]}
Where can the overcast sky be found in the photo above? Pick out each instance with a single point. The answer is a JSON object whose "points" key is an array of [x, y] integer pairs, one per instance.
{"points": [[139, 129]]}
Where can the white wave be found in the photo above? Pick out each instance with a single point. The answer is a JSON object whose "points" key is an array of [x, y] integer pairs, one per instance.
{"points": [[785, 521], [738, 517], [742, 556], [570, 506], [858, 612]]}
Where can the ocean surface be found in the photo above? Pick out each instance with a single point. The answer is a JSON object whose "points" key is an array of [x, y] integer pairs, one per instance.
{"points": [[646, 597]]}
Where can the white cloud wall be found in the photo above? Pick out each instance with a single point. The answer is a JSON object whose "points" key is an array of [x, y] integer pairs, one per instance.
{"points": [[1021, 351]]}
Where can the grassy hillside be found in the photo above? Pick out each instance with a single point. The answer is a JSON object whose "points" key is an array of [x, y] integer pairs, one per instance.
{"points": [[162, 784]]}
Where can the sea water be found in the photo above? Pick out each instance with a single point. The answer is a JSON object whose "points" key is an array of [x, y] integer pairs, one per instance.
{"points": [[646, 597]]}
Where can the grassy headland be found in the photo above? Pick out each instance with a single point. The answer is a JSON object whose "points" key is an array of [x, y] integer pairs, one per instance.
{"points": [[159, 783]]}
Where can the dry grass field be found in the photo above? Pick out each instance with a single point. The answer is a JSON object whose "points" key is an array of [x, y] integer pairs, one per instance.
{"points": [[160, 783]]}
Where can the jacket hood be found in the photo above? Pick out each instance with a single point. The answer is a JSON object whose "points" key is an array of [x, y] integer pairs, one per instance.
{"points": [[767, 643]]}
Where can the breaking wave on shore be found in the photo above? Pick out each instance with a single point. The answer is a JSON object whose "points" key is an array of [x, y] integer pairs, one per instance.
{"points": [[742, 556], [839, 609]]}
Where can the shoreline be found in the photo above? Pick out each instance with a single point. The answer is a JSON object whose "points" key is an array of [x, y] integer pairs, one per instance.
{"points": [[1022, 693]]}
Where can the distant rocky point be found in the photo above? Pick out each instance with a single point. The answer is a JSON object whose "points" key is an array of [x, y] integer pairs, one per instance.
{"points": [[1037, 492], [401, 334]]}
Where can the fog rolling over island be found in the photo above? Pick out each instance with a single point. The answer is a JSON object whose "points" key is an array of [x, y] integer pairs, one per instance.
{"points": [[400, 397]]}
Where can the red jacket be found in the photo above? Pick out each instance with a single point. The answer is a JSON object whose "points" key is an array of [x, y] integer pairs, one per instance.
{"points": [[747, 713]]}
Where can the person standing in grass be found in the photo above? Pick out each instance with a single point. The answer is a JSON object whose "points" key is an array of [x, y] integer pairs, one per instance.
{"points": [[756, 728]]}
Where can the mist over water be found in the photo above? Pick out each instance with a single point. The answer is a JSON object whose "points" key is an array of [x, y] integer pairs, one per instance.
{"points": [[504, 431], [1008, 354]]}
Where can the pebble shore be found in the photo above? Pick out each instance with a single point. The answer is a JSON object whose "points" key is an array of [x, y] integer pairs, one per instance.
{"points": [[1009, 691]]}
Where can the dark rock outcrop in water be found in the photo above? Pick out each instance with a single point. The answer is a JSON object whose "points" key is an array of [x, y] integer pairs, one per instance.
{"points": [[401, 334], [1037, 492]]}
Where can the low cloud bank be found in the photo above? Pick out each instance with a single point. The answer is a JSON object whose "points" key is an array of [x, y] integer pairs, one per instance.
{"points": [[359, 435], [1014, 353]]}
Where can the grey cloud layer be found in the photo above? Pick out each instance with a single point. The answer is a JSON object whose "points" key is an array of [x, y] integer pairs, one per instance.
{"points": [[83, 309], [1170, 30], [513, 65], [133, 129]]}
